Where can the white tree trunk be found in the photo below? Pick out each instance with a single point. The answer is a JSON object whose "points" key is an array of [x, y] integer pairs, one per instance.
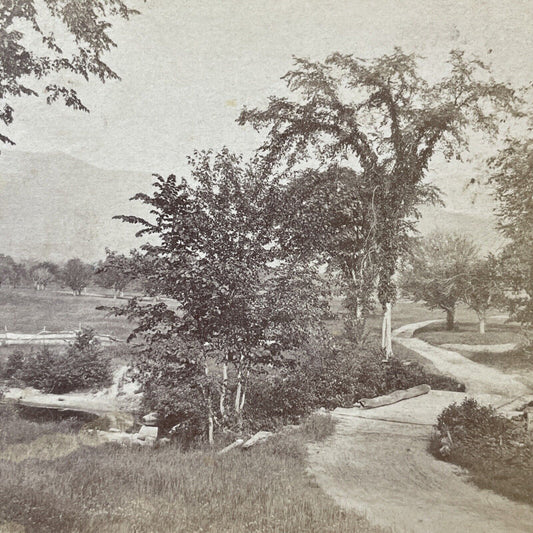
{"points": [[386, 331], [224, 388], [482, 324]]}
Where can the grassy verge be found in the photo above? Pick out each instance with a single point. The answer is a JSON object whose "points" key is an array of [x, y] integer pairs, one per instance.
{"points": [[467, 333], [27, 311], [515, 361], [116, 489], [496, 451]]}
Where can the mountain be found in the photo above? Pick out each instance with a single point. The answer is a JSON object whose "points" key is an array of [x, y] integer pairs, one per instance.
{"points": [[55, 207]]}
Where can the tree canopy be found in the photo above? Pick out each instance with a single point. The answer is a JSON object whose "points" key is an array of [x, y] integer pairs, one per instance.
{"points": [[437, 270], [384, 121], [41, 40], [236, 305]]}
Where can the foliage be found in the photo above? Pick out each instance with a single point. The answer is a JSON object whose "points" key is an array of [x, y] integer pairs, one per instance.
{"points": [[13, 365], [483, 288], [41, 39], [83, 365], [437, 270], [41, 275], [511, 177], [76, 275], [115, 272], [334, 377], [11, 271], [384, 122], [237, 307], [496, 450]]}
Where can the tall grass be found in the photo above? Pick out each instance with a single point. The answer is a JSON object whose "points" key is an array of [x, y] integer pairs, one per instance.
{"points": [[117, 489]]}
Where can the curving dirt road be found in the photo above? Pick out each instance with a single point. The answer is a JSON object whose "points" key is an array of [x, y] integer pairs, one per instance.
{"points": [[377, 461]]}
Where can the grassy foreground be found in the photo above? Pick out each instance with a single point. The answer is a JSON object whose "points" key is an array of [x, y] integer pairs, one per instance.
{"points": [[118, 489]]}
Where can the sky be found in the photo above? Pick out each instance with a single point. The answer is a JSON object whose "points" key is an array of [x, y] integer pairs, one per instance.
{"points": [[188, 67]]}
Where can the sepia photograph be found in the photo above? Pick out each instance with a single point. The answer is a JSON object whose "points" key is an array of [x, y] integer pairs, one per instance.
{"points": [[266, 267]]}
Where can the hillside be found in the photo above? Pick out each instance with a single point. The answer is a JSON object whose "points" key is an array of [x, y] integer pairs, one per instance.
{"points": [[53, 206]]}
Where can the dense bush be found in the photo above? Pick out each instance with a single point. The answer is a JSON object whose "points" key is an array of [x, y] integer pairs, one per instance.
{"points": [[497, 451], [319, 376], [83, 365], [330, 378]]}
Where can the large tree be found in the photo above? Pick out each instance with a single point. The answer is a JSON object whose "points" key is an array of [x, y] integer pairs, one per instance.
{"points": [[484, 288], [384, 121], [236, 308], [115, 272], [42, 43], [437, 269], [76, 275], [511, 172]]}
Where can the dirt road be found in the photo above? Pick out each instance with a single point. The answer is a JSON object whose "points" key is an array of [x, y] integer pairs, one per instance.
{"points": [[377, 461]]}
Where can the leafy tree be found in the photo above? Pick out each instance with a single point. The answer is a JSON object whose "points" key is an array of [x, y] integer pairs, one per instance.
{"points": [[7, 268], [76, 275], [511, 172], [32, 50], [382, 120], [483, 288], [238, 310], [437, 270], [115, 272], [41, 275]]}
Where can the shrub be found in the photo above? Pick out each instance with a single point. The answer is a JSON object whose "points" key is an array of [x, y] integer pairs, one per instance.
{"points": [[82, 366], [13, 364], [497, 451]]}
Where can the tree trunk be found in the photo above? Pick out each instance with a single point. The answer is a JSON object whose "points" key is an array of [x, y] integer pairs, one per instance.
{"points": [[224, 389], [450, 319], [386, 331], [482, 324]]}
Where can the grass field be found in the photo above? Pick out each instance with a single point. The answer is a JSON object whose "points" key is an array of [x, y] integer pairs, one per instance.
{"points": [[29, 311], [117, 489], [467, 333]]}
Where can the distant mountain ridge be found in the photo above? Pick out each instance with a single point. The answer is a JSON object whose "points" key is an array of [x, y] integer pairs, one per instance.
{"points": [[55, 207]]}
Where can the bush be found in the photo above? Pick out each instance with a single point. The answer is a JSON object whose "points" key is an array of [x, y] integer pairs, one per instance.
{"points": [[13, 364], [330, 378], [497, 451], [82, 366]]}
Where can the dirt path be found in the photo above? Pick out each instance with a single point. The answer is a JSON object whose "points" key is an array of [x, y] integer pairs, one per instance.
{"points": [[377, 461]]}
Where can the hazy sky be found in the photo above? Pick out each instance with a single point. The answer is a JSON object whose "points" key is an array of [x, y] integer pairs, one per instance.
{"points": [[188, 66]]}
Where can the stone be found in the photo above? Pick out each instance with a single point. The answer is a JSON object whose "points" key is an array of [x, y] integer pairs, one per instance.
{"points": [[151, 419], [148, 433]]}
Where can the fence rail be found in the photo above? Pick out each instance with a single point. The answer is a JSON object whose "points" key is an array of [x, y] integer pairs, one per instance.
{"points": [[49, 338]]}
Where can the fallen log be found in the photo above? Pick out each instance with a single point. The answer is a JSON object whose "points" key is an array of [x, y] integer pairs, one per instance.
{"points": [[394, 397], [260, 436], [231, 446]]}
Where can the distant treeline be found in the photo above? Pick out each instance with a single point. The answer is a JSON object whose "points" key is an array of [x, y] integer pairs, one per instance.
{"points": [[75, 274]]}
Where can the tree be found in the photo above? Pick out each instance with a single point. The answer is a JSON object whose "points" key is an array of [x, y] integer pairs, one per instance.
{"points": [[238, 309], [483, 288], [76, 275], [41, 275], [115, 272], [33, 48], [511, 172], [437, 270], [382, 120], [7, 268]]}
